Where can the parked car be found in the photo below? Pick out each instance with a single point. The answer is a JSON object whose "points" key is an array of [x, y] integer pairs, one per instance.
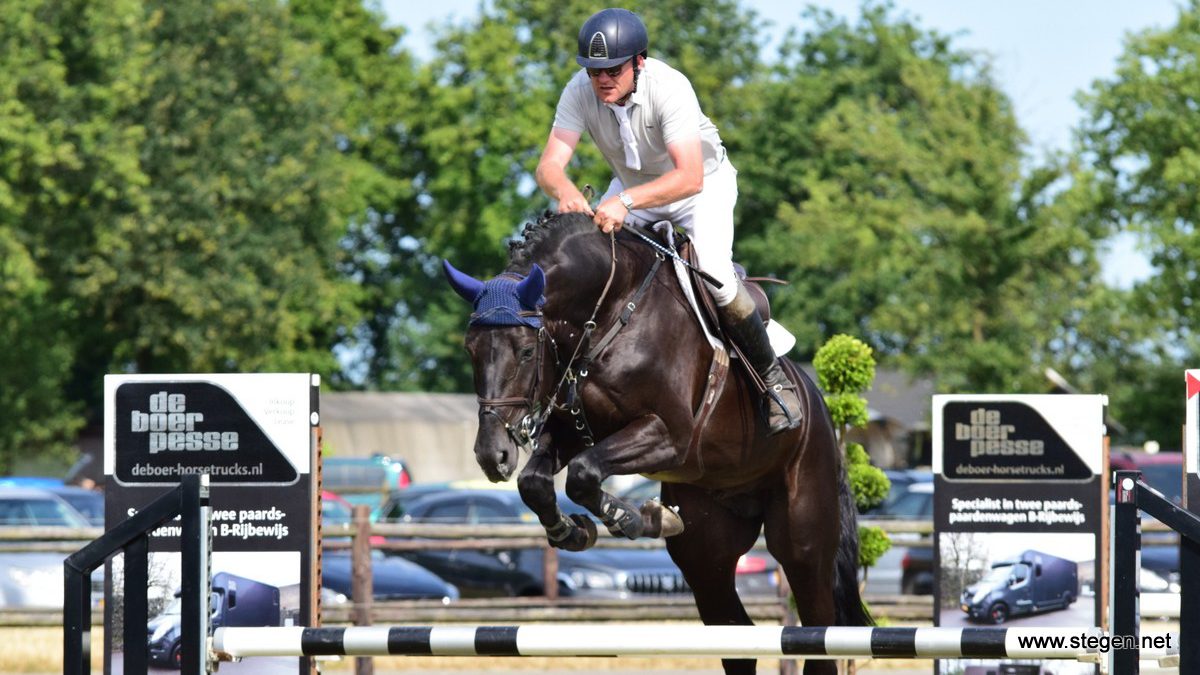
{"points": [[337, 511], [34, 507], [911, 500], [497, 572], [900, 480], [1033, 581], [364, 480], [1162, 471], [89, 503], [29, 481], [392, 578], [916, 571], [757, 571], [395, 506], [35, 579]]}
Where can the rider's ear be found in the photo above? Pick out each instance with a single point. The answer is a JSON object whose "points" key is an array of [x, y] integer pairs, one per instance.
{"points": [[467, 286], [529, 291]]}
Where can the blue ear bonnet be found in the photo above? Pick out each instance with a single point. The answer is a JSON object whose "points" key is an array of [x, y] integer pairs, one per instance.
{"points": [[499, 304]]}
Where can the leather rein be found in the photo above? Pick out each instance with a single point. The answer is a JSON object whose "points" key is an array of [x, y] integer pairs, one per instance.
{"points": [[526, 432]]}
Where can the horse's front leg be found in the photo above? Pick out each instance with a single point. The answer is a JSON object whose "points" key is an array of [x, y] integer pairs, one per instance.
{"points": [[536, 485], [643, 446]]}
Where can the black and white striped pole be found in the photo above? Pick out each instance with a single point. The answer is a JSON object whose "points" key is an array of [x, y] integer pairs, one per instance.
{"points": [[659, 640]]}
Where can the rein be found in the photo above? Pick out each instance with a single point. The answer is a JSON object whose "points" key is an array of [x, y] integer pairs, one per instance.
{"points": [[526, 432], [578, 366]]}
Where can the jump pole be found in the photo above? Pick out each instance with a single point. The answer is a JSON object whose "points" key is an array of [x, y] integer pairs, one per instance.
{"points": [[657, 640]]}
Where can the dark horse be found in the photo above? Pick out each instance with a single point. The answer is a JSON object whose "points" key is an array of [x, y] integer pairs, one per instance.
{"points": [[586, 353]]}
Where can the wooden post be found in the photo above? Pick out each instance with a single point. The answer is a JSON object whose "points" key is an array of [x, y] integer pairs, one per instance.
{"points": [[362, 589], [550, 571]]}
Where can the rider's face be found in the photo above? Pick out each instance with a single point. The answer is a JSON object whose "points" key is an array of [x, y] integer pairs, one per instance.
{"points": [[610, 88]]}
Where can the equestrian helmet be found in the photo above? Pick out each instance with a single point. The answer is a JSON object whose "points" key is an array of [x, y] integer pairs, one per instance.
{"points": [[611, 37]]}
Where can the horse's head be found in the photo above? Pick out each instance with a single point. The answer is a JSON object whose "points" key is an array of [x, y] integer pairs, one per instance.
{"points": [[512, 363]]}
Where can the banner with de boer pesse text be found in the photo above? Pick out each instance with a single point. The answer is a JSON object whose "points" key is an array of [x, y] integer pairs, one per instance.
{"points": [[255, 436], [1018, 490]]}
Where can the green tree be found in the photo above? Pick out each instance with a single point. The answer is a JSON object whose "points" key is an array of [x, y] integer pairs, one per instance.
{"points": [[41, 421], [66, 69], [172, 173], [244, 177], [484, 106], [845, 369], [884, 183], [1140, 135]]}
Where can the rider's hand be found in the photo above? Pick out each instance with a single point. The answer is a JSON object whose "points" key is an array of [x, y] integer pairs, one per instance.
{"points": [[574, 203], [610, 215]]}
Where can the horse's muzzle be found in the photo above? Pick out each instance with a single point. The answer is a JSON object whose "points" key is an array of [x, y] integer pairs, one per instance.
{"points": [[495, 450]]}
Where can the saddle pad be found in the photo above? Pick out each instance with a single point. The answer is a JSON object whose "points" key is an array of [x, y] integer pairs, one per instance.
{"points": [[781, 338]]}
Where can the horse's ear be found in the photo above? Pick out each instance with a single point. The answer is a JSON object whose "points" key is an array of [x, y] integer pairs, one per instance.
{"points": [[529, 291], [467, 286]]}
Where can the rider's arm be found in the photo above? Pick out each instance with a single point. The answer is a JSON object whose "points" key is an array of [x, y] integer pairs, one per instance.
{"points": [[685, 180], [551, 174], [681, 182]]}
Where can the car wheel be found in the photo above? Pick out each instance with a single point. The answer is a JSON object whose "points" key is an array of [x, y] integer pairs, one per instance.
{"points": [[998, 613], [176, 660], [1069, 599]]}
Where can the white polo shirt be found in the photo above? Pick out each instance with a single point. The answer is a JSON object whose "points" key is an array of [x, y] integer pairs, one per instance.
{"points": [[664, 109]]}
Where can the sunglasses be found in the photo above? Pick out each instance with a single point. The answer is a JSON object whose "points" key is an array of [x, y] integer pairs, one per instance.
{"points": [[613, 72]]}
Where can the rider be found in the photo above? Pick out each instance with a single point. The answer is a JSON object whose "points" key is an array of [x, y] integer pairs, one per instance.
{"points": [[669, 164]]}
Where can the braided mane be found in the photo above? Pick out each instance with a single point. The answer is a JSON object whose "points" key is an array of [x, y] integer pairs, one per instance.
{"points": [[547, 234]]}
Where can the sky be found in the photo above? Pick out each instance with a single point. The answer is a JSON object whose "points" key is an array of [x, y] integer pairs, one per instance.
{"points": [[1043, 52]]}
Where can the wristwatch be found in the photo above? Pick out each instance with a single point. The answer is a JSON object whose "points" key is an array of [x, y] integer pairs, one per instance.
{"points": [[626, 200]]}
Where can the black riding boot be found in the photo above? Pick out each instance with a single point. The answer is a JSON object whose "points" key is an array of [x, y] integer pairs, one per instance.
{"points": [[781, 402]]}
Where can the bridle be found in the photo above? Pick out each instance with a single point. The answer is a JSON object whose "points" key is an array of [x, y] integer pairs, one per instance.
{"points": [[525, 432]]}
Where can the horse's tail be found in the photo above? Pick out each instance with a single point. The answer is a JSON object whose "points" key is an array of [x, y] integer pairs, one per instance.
{"points": [[850, 608]]}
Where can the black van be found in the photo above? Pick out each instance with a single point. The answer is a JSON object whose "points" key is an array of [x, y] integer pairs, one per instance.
{"points": [[236, 601], [1031, 582]]}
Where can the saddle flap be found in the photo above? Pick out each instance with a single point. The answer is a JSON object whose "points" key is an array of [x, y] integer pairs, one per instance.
{"points": [[761, 303]]}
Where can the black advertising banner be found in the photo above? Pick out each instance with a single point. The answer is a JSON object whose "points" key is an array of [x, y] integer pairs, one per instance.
{"points": [[1017, 513], [254, 435]]}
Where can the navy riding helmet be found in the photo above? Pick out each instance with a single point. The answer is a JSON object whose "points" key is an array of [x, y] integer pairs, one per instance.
{"points": [[611, 37]]}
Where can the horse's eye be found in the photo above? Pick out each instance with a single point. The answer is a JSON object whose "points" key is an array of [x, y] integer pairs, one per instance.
{"points": [[526, 353]]}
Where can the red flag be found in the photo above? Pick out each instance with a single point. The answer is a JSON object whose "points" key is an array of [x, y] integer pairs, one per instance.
{"points": [[1193, 385]]}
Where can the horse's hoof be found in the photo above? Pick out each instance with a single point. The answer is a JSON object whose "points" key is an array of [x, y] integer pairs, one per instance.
{"points": [[582, 536], [587, 525], [661, 519]]}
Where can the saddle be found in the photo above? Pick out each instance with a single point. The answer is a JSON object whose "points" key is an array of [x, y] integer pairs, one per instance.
{"points": [[706, 306]]}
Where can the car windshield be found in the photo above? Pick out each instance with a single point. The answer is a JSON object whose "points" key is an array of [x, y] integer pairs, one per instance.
{"points": [[1166, 478], [38, 511], [91, 505], [911, 504], [998, 575]]}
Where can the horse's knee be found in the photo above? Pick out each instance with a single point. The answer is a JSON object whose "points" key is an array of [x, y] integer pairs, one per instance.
{"points": [[536, 487], [583, 482]]}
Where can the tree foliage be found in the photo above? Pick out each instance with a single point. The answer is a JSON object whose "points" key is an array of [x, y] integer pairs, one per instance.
{"points": [[247, 185], [1140, 135], [888, 192]]}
